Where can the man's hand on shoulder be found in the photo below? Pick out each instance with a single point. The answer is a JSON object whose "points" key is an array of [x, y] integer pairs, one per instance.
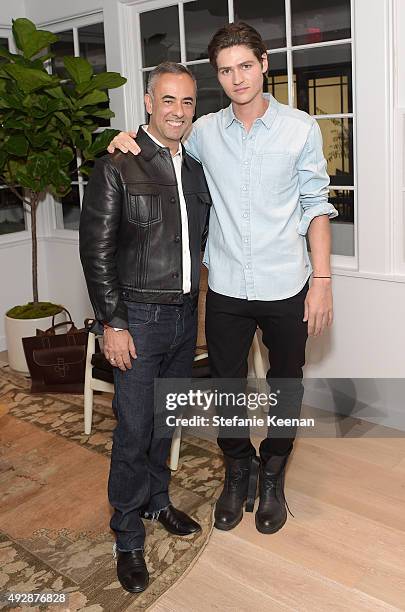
{"points": [[118, 348], [124, 141]]}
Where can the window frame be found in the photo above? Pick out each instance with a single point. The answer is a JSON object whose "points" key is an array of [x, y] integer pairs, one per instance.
{"points": [[55, 215], [24, 235]]}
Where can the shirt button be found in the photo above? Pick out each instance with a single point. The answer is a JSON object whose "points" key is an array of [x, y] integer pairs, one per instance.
{"points": [[247, 266], [246, 239], [177, 239], [172, 200], [246, 163], [243, 137], [244, 188], [245, 215], [175, 275]]}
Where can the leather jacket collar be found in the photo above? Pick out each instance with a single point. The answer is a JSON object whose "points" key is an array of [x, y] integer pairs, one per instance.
{"points": [[149, 148]]}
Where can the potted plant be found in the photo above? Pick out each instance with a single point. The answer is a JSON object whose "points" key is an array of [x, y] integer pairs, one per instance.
{"points": [[44, 121]]}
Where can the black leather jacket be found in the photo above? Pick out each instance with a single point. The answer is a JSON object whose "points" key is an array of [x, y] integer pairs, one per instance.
{"points": [[130, 229]]}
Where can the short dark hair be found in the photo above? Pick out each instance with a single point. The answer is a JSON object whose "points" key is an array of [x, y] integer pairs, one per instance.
{"points": [[236, 34], [167, 68]]}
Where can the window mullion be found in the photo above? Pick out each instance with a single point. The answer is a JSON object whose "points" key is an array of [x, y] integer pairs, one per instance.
{"points": [[80, 178], [231, 12], [79, 159], [81, 191], [11, 44], [325, 43], [182, 33], [288, 36], [76, 43], [334, 116]]}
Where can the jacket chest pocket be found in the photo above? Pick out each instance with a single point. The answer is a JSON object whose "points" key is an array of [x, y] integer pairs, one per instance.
{"points": [[144, 209]]}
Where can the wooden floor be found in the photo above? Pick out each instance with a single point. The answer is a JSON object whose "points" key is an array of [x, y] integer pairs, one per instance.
{"points": [[344, 550]]}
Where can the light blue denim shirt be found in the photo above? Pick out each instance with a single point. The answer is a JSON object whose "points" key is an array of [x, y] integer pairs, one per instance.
{"points": [[266, 186]]}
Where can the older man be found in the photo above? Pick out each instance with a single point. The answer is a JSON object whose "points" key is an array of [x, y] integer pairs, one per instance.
{"points": [[143, 223]]}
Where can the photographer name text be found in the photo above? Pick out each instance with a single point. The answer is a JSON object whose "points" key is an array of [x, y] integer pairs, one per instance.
{"points": [[236, 421]]}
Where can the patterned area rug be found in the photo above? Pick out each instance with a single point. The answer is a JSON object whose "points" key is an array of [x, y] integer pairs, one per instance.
{"points": [[54, 515]]}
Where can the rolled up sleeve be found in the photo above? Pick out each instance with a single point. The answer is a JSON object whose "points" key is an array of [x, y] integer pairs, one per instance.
{"points": [[313, 181]]}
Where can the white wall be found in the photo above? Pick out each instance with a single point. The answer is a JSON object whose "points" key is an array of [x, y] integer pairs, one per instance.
{"points": [[368, 336], [65, 278], [16, 283], [9, 11], [48, 11]]}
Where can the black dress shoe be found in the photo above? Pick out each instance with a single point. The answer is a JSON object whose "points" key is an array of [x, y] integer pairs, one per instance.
{"points": [[132, 571], [175, 521]]}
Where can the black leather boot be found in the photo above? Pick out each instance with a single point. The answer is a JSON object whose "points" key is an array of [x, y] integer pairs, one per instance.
{"points": [[239, 486], [271, 513]]}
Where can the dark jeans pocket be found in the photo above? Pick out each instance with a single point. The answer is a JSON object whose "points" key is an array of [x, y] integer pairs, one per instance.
{"points": [[139, 313]]}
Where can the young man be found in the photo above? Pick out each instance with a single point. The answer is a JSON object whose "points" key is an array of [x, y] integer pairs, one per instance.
{"points": [[141, 231], [267, 177]]}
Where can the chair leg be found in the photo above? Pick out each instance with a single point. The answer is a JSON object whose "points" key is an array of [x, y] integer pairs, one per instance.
{"points": [[258, 363], [88, 391], [88, 407], [175, 449]]}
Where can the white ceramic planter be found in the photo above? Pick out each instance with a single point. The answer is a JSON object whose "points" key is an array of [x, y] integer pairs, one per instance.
{"points": [[16, 329]]}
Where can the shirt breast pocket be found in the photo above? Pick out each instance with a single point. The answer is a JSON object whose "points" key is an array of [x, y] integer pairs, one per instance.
{"points": [[275, 172], [144, 209]]}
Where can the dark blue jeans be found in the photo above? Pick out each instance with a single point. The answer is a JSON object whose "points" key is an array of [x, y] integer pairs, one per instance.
{"points": [[165, 338]]}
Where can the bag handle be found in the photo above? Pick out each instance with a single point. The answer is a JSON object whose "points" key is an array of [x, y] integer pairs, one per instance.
{"points": [[63, 310], [72, 330], [51, 330]]}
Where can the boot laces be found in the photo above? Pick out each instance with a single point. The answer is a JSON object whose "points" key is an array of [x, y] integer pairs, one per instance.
{"points": [[269, 483], [286, 505], [235, 476]]}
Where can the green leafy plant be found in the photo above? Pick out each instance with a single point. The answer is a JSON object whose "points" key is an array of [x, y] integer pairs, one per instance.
{"points": [[45, 119]]}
